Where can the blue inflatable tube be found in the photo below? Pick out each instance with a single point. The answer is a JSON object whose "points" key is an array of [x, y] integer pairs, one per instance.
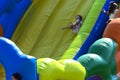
{"points": [[11, 11], [14, 61], [96, 32]]}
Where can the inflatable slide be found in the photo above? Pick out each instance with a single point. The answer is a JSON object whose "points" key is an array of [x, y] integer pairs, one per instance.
{"points": [[34, 28], [40, 31]]}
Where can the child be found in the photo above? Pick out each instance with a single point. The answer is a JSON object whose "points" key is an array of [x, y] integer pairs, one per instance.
{"points": [[75, 26], [112, 11]]}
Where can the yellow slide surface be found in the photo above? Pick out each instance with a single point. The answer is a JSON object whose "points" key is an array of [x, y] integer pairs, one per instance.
{"points": [[39, 33]]}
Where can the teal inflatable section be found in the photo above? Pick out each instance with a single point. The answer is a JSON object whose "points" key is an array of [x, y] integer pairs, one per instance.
{"points": [[98, 60], [14, 61], [11, 12]]}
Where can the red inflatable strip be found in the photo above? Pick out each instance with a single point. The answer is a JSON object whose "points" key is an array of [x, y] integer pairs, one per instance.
{"points": [[1, 31]]}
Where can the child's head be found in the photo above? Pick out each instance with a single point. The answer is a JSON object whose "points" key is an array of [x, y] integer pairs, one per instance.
{"points": [[78, 17], [115, 5]]}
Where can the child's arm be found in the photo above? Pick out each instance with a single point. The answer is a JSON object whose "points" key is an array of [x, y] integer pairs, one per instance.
{"points": [[68, 27]]}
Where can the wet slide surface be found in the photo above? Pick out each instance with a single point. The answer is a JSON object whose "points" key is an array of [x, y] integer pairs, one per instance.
{"points": [[39, 33]]}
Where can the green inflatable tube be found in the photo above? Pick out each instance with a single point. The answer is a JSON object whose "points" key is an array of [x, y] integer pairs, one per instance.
{"points": [[98, 60]]}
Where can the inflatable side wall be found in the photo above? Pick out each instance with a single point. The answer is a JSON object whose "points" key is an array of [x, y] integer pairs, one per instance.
{"points": [[11, 11], [14, 61]]}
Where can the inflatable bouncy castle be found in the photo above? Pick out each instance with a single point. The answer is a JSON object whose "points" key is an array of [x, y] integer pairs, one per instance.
{"points": [[34, 45]]}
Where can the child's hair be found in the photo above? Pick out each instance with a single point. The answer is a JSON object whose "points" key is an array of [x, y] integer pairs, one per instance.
{"points": [[113, 6], [17, 76], [80, 17]]}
